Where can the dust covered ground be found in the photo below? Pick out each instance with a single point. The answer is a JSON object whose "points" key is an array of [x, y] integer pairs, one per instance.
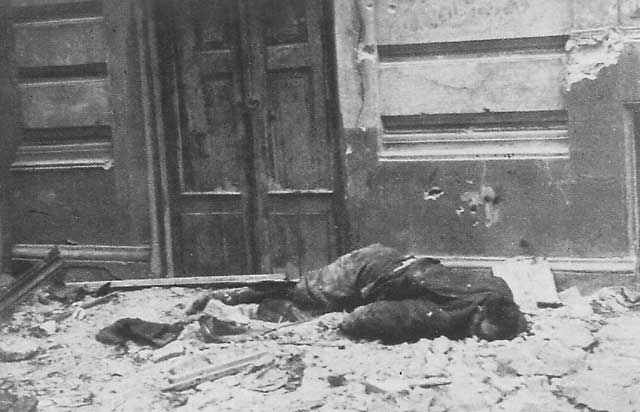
{"points": [[582, 356]]}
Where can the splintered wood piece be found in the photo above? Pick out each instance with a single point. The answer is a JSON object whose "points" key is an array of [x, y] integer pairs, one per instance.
{"points": [[213, 372], [31, 279], [280, 278]]}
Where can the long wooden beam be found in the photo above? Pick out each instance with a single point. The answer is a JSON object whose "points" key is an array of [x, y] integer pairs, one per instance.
{"points": [[236, 280]]}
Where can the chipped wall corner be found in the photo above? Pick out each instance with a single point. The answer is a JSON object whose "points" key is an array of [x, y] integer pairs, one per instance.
{"points": [[589, 52]]}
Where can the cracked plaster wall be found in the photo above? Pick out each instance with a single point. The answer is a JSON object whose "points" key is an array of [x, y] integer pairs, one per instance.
{"points": [[555, 207]]}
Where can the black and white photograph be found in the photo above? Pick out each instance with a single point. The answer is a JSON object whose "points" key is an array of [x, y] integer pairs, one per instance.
{"points": [[320, 205]]}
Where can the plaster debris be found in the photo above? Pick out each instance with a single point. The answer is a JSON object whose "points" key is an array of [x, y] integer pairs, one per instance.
{"points": [[562, 362], [16, 349], [589, 53], [530, 280], [171, 350]]}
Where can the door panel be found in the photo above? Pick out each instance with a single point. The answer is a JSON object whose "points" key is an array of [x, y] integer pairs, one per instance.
{"points": [[285, 22], [213, 156], [254, 157], [212, 241], [299, 158], [211, 143], [300, 168]]}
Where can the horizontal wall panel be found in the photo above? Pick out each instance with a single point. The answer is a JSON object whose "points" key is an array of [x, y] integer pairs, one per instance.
{"points": [[472, 84], [66, 103], [63, 43], [525, 144], [404, 22], [79, 206], [67, 135], [475, 136], [64, 156], [474, 48]]}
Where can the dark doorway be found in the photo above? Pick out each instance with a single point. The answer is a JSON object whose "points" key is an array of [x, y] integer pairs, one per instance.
{"points": [[253, 158]]}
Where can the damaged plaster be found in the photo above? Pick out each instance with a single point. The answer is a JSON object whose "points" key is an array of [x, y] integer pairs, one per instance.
{"points": [[433, 194], [590, 52], [486, 199], [367, 61]]}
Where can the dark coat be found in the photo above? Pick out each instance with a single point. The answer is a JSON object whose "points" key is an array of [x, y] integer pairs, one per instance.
{"points": [[398, 298]]}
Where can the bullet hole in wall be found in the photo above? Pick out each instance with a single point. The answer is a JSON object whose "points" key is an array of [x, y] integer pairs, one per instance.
{"points": [[433, 194]]}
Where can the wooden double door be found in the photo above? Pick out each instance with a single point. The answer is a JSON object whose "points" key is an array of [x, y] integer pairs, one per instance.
{"points": [[253, 158]]}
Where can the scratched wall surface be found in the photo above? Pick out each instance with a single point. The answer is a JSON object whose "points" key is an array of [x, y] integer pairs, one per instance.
{"points": [[489, 128]]}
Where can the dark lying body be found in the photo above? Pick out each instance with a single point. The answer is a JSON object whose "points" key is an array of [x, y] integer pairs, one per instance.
{"points": [[396, 298]]}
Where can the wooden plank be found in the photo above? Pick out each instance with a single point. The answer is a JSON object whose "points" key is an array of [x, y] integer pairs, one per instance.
{"points": [[473, 85], [223, 280], [66, 103], [72, 42], [31, 279], [213, 372], [404, 22], [84, 252]]}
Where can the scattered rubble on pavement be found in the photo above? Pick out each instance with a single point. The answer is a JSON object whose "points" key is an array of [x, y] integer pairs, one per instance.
{"points": [[581, 356]]}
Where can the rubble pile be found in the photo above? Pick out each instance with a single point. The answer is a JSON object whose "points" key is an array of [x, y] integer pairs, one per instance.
{"points": [[581, 356]]}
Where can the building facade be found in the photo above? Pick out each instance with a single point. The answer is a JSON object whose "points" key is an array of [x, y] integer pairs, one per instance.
{"points": [[168, 138]]}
